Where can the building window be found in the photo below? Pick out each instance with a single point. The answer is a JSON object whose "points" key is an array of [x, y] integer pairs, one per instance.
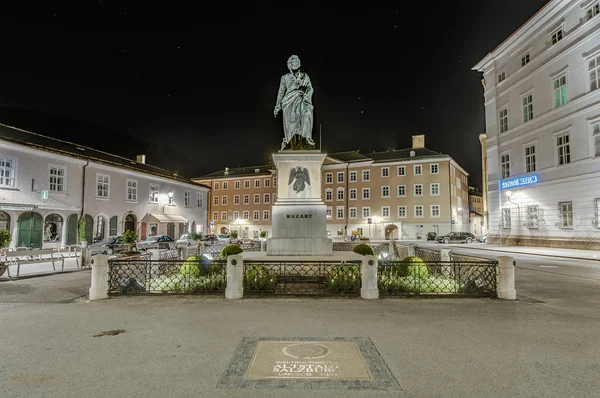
{"points": [[595, 73], [57, 179], [256, 215], [216, 186], [557, 36], [501, 77], [366, 175], [131, 191], [530, 159], [401, 171], [366, 193], [418, 211], [53, 228], [225, 185], [223, 200], [532, 217], [7, 172], [401, 190], [340, 177], [215, 200], [256, 198], [352, 212], [223, 216], [596, 138], [458, 182], [353, 194], [434, 168], [525, 59], [435, 211], [199, 200], [329, 212], [340, 213], [597, 212], [385, 171], [434, 189], [385, 191], [504, 120], [418, 169], [103, 185], [236, 215], [527, 108], [593, 11], [505, 162], [215, 216], [340, 194], [256, 183], [246, 215], [565, 215], [564, 149], [329, 178], [418, 189], [266, 214], [385, 212], [401, 211], [267, 182], [560, 91], [274, 181], [267, 198], [353, 176], [506, 221], [236, 185], [236, 199], [328, 194], [153, 193], [246, 199], [187, 199], [246, 183], [366, 212]]}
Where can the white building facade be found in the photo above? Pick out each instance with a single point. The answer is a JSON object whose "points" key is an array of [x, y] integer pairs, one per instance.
{"points": [[47, 186], [542, 107]]}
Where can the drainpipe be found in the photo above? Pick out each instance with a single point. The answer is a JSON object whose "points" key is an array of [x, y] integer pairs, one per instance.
{"points": [[83, 189], [450, 193], [347, 211]]}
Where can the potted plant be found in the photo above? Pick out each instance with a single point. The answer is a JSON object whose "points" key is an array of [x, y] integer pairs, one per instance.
{"points": [[81, 231], [130, 239], [5, 240]]}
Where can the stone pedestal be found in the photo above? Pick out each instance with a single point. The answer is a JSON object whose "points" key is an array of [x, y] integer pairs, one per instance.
{"points": [[299, 214]]}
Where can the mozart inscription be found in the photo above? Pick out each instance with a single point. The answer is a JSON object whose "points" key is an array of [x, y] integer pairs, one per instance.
{"points": [[338, 360]]}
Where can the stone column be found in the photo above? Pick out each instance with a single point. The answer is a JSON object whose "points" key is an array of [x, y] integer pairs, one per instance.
{"points": [[505, 278], [390, 250], [235, 277], [369, 289], [99, 284], [411, 249]]}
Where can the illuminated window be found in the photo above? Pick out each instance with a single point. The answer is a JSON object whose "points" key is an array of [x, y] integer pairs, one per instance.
{"points": [[560, 91]]}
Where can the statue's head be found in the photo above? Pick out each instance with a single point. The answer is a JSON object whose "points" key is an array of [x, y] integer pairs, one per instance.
{"points": [[293, 62]]}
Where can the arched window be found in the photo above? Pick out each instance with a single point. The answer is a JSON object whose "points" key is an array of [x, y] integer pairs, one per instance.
{"points": [[52, 228], [130, 223], [4, 221]]}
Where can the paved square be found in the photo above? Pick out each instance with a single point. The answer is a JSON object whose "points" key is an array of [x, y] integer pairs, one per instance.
{"points": [[308, 363]]}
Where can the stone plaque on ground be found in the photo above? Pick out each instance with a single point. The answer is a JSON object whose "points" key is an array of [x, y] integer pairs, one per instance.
{"points": [[308, 363]]}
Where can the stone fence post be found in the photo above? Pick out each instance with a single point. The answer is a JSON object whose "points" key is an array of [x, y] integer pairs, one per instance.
{"points": [[391, 251], [505, 278], [154, 254], [369, 289], [411, 249], [183, 252], [235, 277], [86, 257], [99, 284], [447, 269], [201, 248]]}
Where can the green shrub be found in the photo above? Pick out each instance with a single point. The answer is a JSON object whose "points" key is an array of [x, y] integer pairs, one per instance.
{"points": [[191, 267], [258, 277], [5, 238], [230, 250], [413, 266], [363, 250], [263, 234], [233, 234], [129, 238], [411, 284], [81, 229], [344, 278]]}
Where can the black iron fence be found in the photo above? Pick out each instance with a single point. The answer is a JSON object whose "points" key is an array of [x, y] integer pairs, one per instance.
{"points": [[427, 255], [134, 276], [400, 252], [437, 278], [302, 278]]}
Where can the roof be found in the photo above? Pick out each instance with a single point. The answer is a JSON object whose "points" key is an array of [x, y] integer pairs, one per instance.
{"points": [[350, 156], [246, 171], [404, 154], [164, 218], [61, 147]]}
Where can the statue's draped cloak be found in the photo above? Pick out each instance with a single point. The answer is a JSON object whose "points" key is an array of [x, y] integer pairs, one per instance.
{"points": [[295, 99]]}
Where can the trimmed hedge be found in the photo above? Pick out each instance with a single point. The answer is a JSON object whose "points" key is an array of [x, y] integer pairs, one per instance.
{"points": [[231, 250], [415, 267], [363, 250]]}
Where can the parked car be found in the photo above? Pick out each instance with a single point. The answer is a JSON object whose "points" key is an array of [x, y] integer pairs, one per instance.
{"points": [[224, 238], [186, 239], [482, 238], [431, 235], [110, 245], [156, 242], [456, 237]]}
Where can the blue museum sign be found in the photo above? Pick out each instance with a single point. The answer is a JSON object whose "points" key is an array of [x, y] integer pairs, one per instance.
{"points": [[508, 183]]}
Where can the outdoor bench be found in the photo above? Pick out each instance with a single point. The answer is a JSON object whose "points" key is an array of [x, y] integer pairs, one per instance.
{"points": [[33, 257]]}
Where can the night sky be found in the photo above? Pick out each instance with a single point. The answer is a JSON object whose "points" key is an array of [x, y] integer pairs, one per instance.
{"points": [[204, 80]]}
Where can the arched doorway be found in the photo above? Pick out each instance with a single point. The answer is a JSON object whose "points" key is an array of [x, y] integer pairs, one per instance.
{"points": [[31, 230], [130, 222], [4, 221], [113, 226], [53, 228], [224, 230], [391, 232], [72, 230]]}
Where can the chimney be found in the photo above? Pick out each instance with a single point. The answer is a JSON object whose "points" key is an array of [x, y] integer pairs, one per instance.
{"points": [[141, 159], [418, 141]]}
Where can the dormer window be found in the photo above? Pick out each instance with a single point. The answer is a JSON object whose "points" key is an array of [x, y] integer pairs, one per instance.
{"points": [[557, 36], [525, 59], [501, 77], [593, 11]]}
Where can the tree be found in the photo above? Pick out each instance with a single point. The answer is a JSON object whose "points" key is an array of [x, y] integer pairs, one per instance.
{"points": [[129, 238], [81, 229]]}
